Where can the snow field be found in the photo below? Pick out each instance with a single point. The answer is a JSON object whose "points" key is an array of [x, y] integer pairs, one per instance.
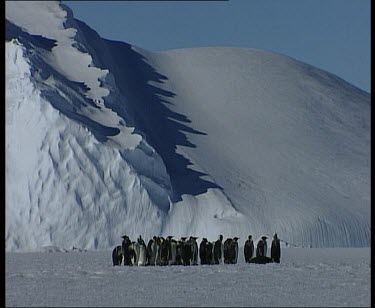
{"points": [[305, 277]]}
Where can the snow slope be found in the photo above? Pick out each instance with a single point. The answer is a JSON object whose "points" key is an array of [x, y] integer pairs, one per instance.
{"points": [[105, 139]]}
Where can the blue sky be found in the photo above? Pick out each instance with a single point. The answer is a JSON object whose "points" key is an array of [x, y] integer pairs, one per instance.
{"points": [[333, 35]]}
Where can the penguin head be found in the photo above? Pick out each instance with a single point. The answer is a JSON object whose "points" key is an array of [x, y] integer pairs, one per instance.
{"points": [[236, 238], [275, 236], [250, 236], [220, 237]]}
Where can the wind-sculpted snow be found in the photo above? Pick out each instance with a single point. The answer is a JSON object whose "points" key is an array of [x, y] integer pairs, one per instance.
{"points": [[105, 139], [63, 185], [68, 180]]}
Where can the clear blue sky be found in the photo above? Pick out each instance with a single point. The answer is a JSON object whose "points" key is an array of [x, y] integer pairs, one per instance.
{"points": [[333, 35]]}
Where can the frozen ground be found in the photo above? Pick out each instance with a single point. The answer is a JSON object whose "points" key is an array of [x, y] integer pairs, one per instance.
{"points": [[319, 277]]}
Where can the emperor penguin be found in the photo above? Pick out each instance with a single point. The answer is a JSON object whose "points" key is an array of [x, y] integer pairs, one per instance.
{"points": [[194, 250], [117, 255], [264, 238], [142, 252], [164, 252], [235, 250], [178, 253], [126, 250], [185, 251], [209, 252], [202, 251], [152, 250], [227, 250], [171, 250], [249, 249], [218, 250], [135, 252], [149, 252], [174, 245], [159, 242], [262, 247], [275, 249]]}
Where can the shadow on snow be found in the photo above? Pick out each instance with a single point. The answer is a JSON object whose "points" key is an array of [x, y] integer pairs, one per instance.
{"points": [[147, 103], [143, 105]]}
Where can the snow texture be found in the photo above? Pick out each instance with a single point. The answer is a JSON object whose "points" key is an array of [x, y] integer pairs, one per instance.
{"points": [[105, 139], [316, 277]]}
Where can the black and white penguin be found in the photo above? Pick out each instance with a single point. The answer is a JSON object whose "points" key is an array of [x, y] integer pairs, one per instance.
{"points": [[209, 252], [249, 249], [178, 260], [264, 238], [149, 252], [164, 251], [275, 249], [141, 260], [262, 247], [175, 252], [117, 255], [194, 250], [159, 242], [218, 250], [185, 251], [171, 250], [134, 252], [227, 250], [202, 251], [181, 244], [234, 250], [154, 251], [126, 250]]}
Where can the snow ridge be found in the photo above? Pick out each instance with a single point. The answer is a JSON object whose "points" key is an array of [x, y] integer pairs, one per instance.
{"points": [[105, 139]]}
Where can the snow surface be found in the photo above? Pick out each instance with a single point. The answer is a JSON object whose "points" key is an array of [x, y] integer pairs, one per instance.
{"points": [[316, 277], [105, 139]]}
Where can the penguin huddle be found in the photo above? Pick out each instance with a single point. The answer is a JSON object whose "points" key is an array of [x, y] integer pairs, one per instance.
{"points": [[169, 251]]}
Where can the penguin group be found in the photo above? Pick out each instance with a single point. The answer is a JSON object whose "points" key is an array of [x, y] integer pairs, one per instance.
{"points": [[261, 250], [169, 251]]}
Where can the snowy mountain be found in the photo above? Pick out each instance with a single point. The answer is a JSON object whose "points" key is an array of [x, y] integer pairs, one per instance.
{"points": [[105, 139]]}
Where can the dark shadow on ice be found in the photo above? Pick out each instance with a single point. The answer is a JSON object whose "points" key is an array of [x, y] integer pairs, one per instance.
{"points": [[100, 131], [69, 107], [13, 31], [145, 106]]}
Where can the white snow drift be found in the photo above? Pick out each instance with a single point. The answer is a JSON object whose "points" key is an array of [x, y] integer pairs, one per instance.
{"points": [[105, 139]]}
